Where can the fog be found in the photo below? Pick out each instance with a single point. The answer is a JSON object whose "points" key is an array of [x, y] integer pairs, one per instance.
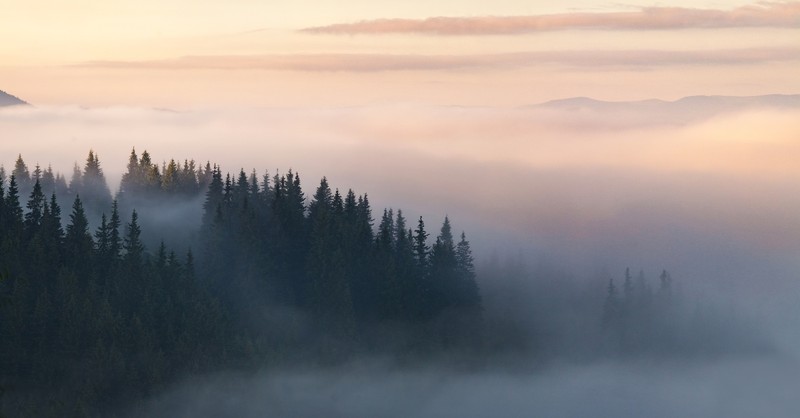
{"points": [[571, 195], [718, 389]]}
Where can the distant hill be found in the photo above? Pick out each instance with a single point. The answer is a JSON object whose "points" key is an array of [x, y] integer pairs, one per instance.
{"points": [[679, 112], [9, 100], [686, 103]]}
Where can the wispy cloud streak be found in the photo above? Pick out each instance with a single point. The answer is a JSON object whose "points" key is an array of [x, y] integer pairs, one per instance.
{"points": [[764, 14], [413, 62]]}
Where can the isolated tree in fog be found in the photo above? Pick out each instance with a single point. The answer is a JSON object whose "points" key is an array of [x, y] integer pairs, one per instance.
{"points": [[468, 293], [666, 283], [611, 304]]}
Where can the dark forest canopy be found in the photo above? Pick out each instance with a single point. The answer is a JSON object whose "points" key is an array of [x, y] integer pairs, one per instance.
{"points": [[98, 312]]}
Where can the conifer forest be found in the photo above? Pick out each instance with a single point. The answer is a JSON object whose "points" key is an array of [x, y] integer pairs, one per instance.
{"points": [[97, 311]]}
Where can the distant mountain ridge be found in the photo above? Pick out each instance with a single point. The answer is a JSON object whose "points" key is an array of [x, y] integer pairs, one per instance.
{"points": [[718, 102], [10, 100], [653, 112]]}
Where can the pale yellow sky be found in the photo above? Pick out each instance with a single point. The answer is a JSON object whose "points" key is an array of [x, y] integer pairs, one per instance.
{"points": [[249, 52]]}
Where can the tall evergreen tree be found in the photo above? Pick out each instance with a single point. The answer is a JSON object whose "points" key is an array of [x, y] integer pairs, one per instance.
{"points": [[421, 248], [48, 181], [468, 294], [13, 208], [114, 239], [76, 182], [214, 197], [134, 249], [78, 242], [133, 179], [36, 204], [94, 189], [22, 176]]}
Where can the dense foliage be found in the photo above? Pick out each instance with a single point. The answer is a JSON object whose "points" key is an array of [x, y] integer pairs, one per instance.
{"points": [[92, 318], [97, 312]]}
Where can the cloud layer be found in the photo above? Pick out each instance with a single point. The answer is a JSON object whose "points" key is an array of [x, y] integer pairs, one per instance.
{"points": [[366, 62], [778, 14]]}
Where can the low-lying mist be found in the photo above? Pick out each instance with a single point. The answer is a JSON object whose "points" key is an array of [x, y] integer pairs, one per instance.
{"points": [[556, 202], [743, 389]]}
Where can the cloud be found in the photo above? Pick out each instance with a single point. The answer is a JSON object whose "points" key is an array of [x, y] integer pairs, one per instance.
{"points": [[419, 62], [765, 14]]}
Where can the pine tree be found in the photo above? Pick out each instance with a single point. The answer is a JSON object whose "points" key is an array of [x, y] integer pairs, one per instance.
{"points": [[103, 239], [390, 291], [421, 248], [611, 306], [36, 204], [469, 295], [386, 233], [628, 287], [329, 293], [76, 182], [321, 203], [170, 181], [78, 242], [13, 208], [48, 181], [405, 269], [133, 179], [150, 175], [3, 214], [134, 249], [187, 178], [254, 190], [114, 240], [212, 207], [22, 176]]}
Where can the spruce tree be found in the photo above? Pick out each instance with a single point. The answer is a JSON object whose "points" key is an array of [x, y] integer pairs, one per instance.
{"points": [[12, 201], [133, 179], [134, 249], [421, 248], [469, 296], [22, 176], [78, 242], [48, 181], [36, 204], [114, 241], [76, 182]]}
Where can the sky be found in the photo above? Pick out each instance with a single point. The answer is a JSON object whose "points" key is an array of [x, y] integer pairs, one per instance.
{"points": [[189, 54]]}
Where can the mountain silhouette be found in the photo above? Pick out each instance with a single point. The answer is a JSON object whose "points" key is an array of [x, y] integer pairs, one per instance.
{"points": [[9, 100]]}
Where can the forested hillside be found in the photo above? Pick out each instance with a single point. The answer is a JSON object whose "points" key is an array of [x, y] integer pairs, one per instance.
{"points": [[92, 317], [98, 313]]}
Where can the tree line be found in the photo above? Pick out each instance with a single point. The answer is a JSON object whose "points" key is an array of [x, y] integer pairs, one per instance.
{"points": [[91, 317]]}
